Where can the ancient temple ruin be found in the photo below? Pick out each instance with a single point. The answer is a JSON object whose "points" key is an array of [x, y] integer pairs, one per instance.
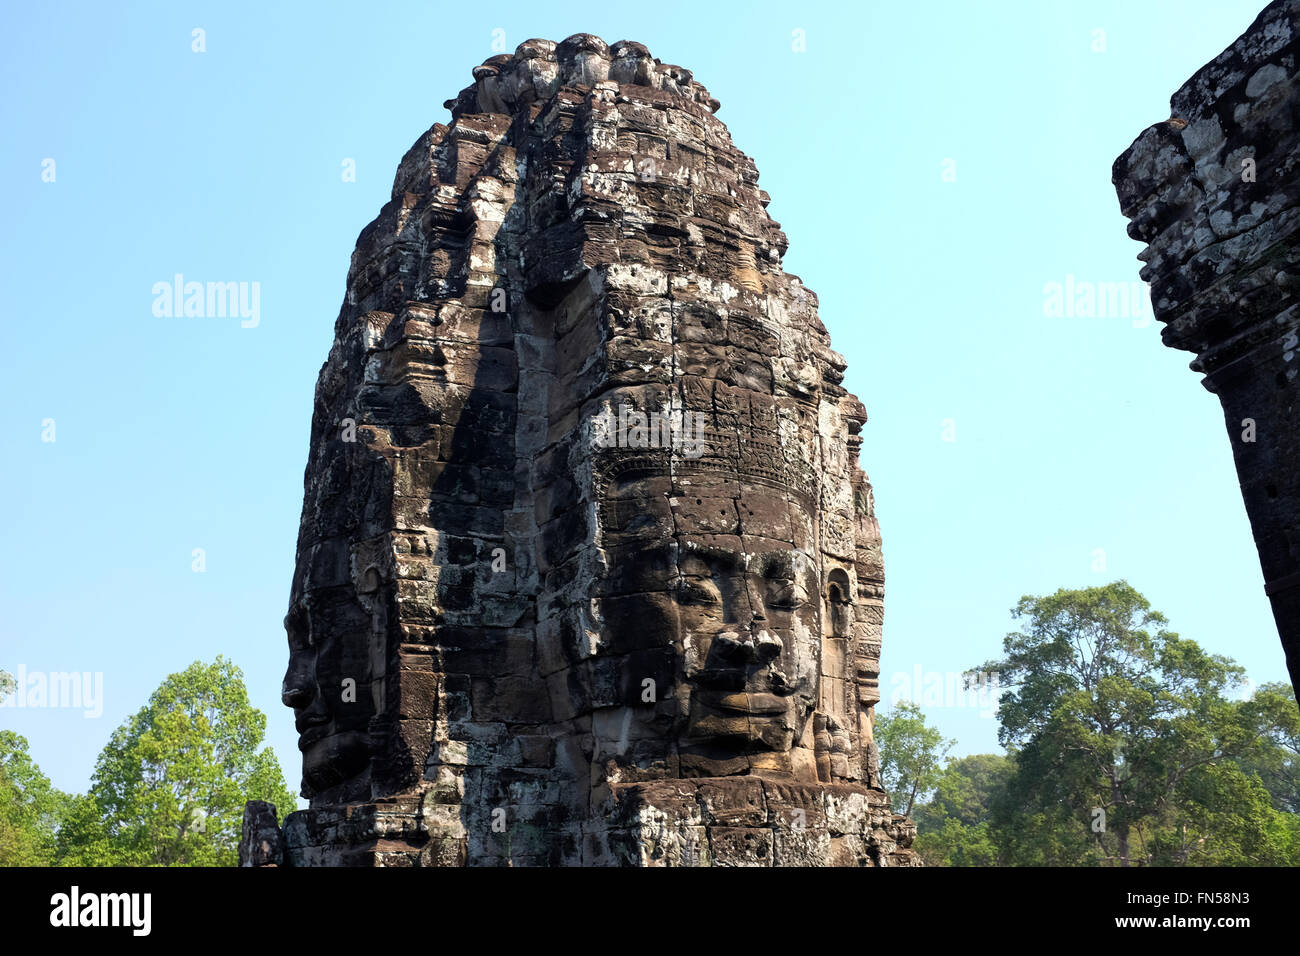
{"points": [[1214, 192], [587, 571]]}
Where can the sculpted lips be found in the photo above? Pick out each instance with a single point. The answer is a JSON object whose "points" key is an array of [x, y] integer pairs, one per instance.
{"points": [[311, 728], [754, 705]]}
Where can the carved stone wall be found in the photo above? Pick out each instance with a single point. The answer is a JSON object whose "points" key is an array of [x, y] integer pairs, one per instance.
{"points": [[1214, 192], [587, 571]]}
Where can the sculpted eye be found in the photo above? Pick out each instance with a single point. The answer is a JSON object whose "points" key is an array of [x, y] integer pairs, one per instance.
{"points": [[786, 594], [695, 591]]}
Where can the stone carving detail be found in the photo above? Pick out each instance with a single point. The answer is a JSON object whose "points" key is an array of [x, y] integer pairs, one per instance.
{"points": [[1214, 192], [587, 572]]}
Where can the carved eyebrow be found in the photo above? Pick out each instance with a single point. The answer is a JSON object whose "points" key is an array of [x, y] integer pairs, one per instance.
{"points": [[769, 563], [654, 549], [764, 562], [710, 552], [297, 627]]}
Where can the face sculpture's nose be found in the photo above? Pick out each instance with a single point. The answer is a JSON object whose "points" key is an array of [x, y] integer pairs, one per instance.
{"points": [[298, 689], [756, 646], [751, 642]]}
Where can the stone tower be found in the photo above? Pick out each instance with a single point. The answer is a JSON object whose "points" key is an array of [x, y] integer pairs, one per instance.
{"points": [[1214, 192], [587, 572]]}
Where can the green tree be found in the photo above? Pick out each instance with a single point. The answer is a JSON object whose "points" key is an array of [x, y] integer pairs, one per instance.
{"points": [[1123, 731], [956, 827], [1277, 760], [30, 808], [83, 838], [169, 788], [911, 754], [1222, 817], [1031, 831]]}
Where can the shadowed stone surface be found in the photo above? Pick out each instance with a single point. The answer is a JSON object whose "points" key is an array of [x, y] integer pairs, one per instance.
{"points": [[1214, 191], [587, 571]]}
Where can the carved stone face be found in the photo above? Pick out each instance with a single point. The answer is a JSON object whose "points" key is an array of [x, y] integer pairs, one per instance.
{"points": [[327, 686], [535, 74], [746, 622], [583, 59], [702, 593], [631, 62]]}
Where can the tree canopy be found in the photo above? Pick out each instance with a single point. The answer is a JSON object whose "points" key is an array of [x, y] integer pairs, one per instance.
{"points": [[170, 786], [30, 808], [1125, 746], [911, 754]]}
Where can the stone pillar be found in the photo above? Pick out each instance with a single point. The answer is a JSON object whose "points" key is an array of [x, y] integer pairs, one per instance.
{"points": [[1214, 192], [261, 843]]}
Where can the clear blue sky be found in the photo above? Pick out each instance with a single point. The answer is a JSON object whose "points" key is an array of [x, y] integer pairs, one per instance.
{"points": [[1072, 434]]}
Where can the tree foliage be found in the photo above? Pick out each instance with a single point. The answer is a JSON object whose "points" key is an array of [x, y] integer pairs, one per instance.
{"points": [[955, 827], [170, 786], [911, 754], [1124, 748], [30, 808]]}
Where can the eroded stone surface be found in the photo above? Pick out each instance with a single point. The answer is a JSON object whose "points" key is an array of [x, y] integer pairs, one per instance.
{"points": [[526, 625], [261, 843], [1214, 193]]}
